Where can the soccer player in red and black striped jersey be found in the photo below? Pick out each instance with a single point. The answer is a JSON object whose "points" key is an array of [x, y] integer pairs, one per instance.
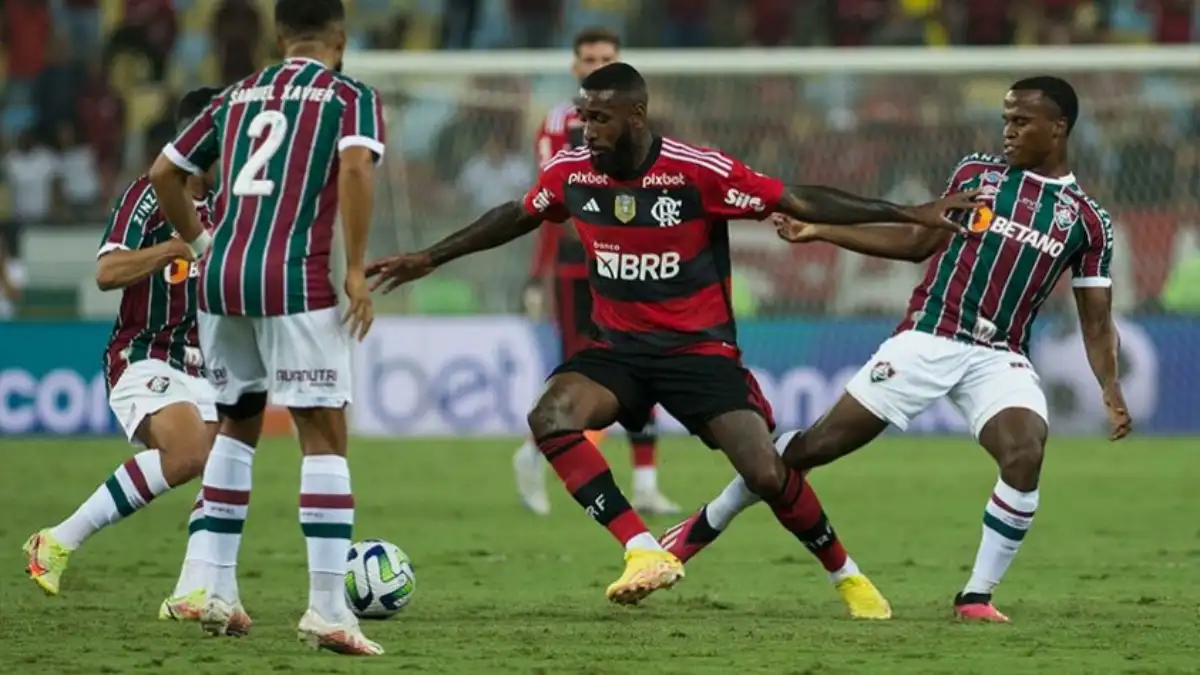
{"points": [[296, 143], [967, 329], [156, 383], [653, 216], [560, 268]]}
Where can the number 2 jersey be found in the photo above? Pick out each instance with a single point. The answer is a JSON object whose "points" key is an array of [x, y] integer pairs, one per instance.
{"points": [[658, 245], [987, 286], [276, 136], [157, 318]]}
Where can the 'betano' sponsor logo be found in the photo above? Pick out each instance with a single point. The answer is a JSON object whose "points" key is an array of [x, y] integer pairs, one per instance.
{"points": [[587, 178], [61, 401]]}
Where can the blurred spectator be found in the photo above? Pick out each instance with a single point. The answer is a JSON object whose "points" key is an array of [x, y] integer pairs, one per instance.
{"points": [[769, 22], [496, 175], [237, 33], [77, 171], [148, 31], [78, 22], [1173, 20], [534, 22], [1147, 160], [30, 169], [459, 22], [26, 38], [686, 24], [102, 116], [988, 22], [57, 87]]}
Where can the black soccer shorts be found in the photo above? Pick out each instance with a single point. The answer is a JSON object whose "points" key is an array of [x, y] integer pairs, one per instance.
{"points": [[694, 388], [573, 314]]}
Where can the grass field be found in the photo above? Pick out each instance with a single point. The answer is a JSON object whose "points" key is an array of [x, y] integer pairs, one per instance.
{"points": [[1108, 581]]}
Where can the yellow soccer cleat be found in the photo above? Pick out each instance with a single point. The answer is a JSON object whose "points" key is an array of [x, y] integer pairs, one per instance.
{"points": [[47, 561], [862, 598], [646, 571], [183, 607]]}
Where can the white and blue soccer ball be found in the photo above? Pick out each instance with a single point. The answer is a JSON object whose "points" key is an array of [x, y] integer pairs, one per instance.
{"points": [[379, 579]]}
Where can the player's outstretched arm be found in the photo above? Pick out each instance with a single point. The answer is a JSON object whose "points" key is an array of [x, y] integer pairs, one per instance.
{"points": [[831, 206], [356, 194], [122, 268], [892, 242], [170, 186], [497, 227], [1102, 343]]}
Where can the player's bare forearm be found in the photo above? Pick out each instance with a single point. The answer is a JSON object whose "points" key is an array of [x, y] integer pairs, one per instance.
{"points": [[892, 242], [171, 187], [497, 227], [1100, 339], [123, 268], [356, 192], [822, 204]]}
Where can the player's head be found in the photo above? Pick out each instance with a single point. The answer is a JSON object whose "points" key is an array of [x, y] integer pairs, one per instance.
{"points": [[192, 104], [594, 47], [1039, 114], [612, 104], [313, 27]]}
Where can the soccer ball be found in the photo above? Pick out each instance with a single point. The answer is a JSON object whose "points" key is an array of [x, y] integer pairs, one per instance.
{"points": [[379, 579]]}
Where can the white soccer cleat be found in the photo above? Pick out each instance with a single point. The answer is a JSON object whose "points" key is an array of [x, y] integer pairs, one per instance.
{"points": [[654, 503], [530, 472], [342, 638], [222, 618]]}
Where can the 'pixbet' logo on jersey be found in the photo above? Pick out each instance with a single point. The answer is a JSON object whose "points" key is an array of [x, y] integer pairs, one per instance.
{"points": [[664, 180], [541, 201], [637, 266], [587, 178], [741, 200], [1022, 234]]}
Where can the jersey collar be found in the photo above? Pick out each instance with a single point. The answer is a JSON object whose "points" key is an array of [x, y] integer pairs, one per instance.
{"points": [[302, 59], [1068, 179]]}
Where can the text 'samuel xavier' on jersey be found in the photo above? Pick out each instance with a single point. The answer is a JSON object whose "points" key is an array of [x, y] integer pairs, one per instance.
{"points": [[556, 251], [987, 286], [277, 135], [658, 245], [157, 318]]}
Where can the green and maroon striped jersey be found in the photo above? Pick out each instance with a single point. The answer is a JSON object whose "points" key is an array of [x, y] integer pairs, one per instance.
{"points": [[987, 285], [276, 136], [157, 318]]}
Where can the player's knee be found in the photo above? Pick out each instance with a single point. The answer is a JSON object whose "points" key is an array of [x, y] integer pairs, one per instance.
{"points": [[1020, 459], [184, 453], [551, 414], [248, 406]]}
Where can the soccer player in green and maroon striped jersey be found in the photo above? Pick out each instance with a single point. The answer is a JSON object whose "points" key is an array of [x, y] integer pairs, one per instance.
{"points": [[296, 144], [156, 383], [966, 332]]}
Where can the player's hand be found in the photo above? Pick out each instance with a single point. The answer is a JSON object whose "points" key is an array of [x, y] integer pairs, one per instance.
{"points": [[794, 231], [1120, 424], [938, 214], [392, 271], [360, 314], [177, 248]]}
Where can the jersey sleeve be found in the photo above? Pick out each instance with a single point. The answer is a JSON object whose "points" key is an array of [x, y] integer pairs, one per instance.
{"points": [[1091, 267], [128, 222], [196, 147], [362, 122], [545, 198], [730, 189], [967, 168]]}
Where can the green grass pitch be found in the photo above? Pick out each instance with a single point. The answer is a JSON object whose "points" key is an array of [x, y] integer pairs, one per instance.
{"points": [[1107, 582]]}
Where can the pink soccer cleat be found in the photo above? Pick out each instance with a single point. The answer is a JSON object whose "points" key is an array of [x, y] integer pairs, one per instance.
{"points": [[977, 607], [690, 537]]}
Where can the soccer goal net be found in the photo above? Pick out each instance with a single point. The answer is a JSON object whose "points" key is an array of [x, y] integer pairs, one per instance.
{"points": [[883, 122]]}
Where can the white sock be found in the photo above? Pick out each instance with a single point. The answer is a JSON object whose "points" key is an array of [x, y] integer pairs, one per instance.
{"points": [[736, 497], [644, 540], [645, 479], [133, 485], [327, 519], [191, 575], [529, 451], [227, 480], [848, 570], [1006, 520]]}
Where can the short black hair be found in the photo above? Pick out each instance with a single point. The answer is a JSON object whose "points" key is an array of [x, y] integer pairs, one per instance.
{"points": [[307, 17], [1058, 91], [595, 35], [616, 76], [193, 103]]}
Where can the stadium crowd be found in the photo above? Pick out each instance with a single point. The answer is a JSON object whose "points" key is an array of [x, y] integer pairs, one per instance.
{"points": [[89, 88]]}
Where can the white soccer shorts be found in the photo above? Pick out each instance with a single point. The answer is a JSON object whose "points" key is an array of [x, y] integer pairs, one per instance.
{"points": [[151, 385]]}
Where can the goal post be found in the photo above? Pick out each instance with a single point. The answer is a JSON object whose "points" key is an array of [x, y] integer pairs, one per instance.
{"points": [[889, 122]]}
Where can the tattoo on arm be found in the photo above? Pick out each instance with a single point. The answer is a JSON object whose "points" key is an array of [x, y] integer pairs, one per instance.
{"points": [[821, 204], [498, 226]]}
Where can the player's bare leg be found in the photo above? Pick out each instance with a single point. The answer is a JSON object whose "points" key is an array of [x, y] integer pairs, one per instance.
{"points": [[1016, 439], [327, 519], [178, 443], [847, 425], [647, 497], [571, 404]]}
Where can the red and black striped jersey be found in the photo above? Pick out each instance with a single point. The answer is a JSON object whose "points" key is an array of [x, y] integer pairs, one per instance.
{"points": [[556, 250], [157, 318], [658, 245], [277, 135]]}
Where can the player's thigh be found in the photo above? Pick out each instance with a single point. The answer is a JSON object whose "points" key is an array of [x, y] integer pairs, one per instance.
{"points": [[232, 356], [697, 389], [150, 394], [591, 390], [308, 358], [994, 381], [906, 375]]}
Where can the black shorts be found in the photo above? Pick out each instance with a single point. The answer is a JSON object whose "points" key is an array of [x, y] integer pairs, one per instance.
{"points": [[573, 314], [694, 388]]}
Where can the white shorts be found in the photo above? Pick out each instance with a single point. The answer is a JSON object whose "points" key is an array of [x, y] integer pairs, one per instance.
{"points": [[151, 385], [301, 360], [911, 370]]}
